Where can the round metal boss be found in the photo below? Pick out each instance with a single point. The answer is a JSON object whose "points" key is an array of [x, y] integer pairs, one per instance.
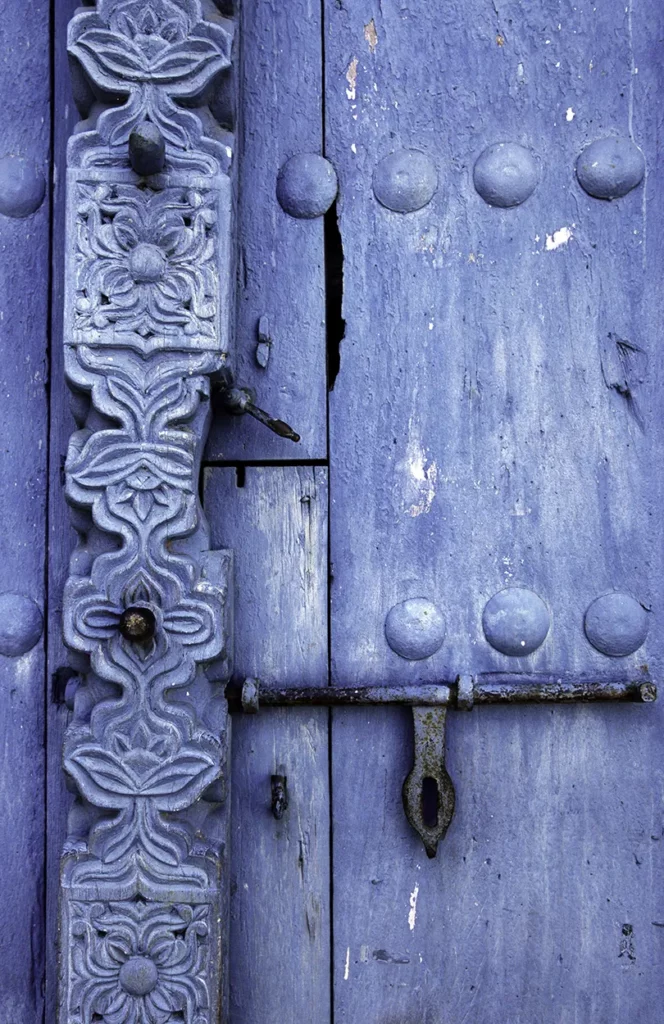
{"points": [[610, 168], [21, 624], [505, 174], [307, 185], [616, 624], [405, 181], [516, 621], [415, 629], [22, 186], [137, 624]]}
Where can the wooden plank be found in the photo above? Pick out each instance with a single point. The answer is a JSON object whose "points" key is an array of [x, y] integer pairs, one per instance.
{"points": [[477, 441], [24, 258], [280, 258], [276, 524], [61, 536]]}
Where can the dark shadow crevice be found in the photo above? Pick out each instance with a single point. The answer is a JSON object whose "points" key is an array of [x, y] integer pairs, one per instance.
{"points": [[334, 288]]}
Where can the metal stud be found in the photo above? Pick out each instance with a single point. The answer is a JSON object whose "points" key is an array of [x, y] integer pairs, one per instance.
{"points": [[405, 181], [516, 621], [147, 149], [307, 186], [415, 629], [21, 624], [616, 624], [137, 624], [22, 187], [610, 168], [505, 174]]}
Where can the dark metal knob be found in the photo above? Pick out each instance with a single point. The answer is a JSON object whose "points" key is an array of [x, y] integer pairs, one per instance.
{"points": [[147, 149], [137, 624]]}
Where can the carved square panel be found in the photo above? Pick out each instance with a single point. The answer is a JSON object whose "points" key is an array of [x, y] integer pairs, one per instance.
{"points": [[147, 271]]}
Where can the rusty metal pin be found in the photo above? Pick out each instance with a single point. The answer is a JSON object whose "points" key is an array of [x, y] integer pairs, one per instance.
{"points": [[238, 401]]}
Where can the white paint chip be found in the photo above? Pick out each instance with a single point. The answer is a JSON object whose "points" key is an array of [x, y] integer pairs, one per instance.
{"points": [[412, 913], [371, 35], [351, 78], [558, 238], [569, 114], [347, 967], [419, 479]]}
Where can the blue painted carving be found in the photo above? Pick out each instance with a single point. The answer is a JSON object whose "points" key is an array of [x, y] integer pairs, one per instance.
{"points": [[147, 604]]}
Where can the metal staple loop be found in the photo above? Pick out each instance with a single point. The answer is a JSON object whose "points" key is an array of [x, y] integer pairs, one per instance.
{"points": [[465, 692]]}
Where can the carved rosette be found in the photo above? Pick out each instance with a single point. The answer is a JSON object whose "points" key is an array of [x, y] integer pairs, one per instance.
{"points": [[146, 324]]}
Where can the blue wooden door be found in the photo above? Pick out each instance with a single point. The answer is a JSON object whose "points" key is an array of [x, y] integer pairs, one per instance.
{"points": [[467, 341], [490, 284], [495, 448], [25, 123]]}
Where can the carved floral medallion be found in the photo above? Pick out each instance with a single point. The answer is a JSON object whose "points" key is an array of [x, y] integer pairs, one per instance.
{"points": [[139, 963], [147, 261]]}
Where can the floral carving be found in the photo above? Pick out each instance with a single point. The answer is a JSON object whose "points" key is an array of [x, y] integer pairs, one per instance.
{"points": [[153, 50], [144, 329], [139, 763], [146, 261], [139, 963]]}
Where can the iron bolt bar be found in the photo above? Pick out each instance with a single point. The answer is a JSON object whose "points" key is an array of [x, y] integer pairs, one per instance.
{"points": [[428, 791], [462, 693]]}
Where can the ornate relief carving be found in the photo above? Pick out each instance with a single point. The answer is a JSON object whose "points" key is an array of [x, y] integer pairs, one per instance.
{"points": [[139, 963], [146, 606], [156, 53], [146, 263]]}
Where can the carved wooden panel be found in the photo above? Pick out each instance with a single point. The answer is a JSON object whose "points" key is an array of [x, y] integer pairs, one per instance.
{"points": [[146, 604]]}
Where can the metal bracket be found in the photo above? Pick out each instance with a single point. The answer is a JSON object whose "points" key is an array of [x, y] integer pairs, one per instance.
{"points": [[428, 791]]}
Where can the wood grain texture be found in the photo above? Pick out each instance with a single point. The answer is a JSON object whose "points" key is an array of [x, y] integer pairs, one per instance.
{"points": [[476, 443], [280, 914], [24, 256], [280, 258], [61, 536]]}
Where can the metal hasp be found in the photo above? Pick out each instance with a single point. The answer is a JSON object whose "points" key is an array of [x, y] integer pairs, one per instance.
{"points": [[147, 604], [428, 791]]}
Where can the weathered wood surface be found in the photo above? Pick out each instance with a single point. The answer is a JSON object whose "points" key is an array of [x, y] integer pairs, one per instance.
{"points": [[61, 536], [484, 433], [276, 523], [280, 272], [24, 276]]}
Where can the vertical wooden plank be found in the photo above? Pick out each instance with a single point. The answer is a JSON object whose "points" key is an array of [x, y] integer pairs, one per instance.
{"points": [[276, 524], [479, 439], [61, 536], [24, 275], [280, 258]]}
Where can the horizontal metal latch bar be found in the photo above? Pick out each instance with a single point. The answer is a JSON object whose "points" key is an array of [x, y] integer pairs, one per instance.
{"points": [[463, 692]]}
